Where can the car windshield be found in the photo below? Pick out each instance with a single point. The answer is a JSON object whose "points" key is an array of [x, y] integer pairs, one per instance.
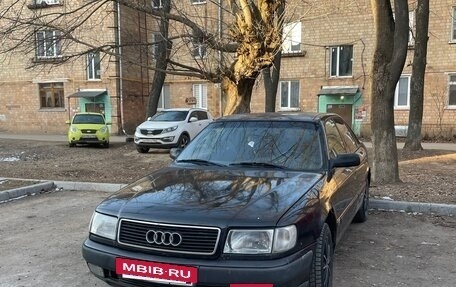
{"points": [[88, 119], [265, 144], [169, 116]]}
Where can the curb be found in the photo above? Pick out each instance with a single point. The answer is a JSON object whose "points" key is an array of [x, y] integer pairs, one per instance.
{"points": [[22, 191], [88, 186], [419, 207]]}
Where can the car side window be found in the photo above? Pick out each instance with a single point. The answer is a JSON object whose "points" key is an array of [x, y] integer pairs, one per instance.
{"points": [[335, 142], [349, 138], [202, 115], [194, 114]]}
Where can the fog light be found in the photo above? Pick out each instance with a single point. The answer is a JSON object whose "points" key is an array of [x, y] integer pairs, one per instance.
{"points": [[168, 139], [97, 270]]}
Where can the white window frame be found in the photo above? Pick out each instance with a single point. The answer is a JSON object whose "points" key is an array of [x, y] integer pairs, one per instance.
{"points": [[55, 42], [92, 66], [155, 6], [336, 74], [396, 94], [156, 37], [196, 2], [164, 102], [289, 107], [411, 38], [291, 38], [48, 2], [200, 94], [451, 83], [453, 25], [199, 50]]}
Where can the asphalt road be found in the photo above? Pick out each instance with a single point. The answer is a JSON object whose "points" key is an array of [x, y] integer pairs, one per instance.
{"points": [[41, 236]]}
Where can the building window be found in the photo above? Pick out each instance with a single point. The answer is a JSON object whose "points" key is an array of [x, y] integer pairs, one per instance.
{"points": [[411, 39], [200, 94], [453, 26], [341, 61], [93, 66], [48, 44], [51, 95], [157, 4], [164, 101], [289, 94], [156, 38], [198, 1], [402, 94], [452, 91], [291, 38], [199, 50]]}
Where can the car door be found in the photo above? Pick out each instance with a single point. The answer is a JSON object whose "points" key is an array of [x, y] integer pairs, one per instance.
{"points": [[194, 127], [357, 179], [342, 195]]}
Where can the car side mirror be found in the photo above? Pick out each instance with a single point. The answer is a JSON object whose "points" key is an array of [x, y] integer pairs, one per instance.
{"points": [[174, 152], [193, 119], [149, 118], [346, 160], [108, 124]]}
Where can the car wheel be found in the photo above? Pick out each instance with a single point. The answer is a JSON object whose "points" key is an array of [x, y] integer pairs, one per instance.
{"points": [[106, 145], [71, 144], [183, 141], [321, 274], [141, 149], [361, 215]]}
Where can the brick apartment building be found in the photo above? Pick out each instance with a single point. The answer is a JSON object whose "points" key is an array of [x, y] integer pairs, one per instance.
{"points": [[326, 67]]}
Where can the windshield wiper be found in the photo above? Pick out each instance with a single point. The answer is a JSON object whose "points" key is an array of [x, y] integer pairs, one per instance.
{"points": [[200, 162], [255, 163]]}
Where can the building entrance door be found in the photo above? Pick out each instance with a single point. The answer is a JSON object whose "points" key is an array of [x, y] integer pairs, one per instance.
{"points": [[345, 111]]}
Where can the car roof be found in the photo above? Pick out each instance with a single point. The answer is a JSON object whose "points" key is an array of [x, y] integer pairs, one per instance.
{"points": [[88, 113], [185, 109], [279, 116]]}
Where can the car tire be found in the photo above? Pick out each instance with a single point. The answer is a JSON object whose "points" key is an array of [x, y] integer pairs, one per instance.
{"points": [[106, 145], [71, 144], [183, 141], [321, 274], [141, 149], [361, 215]]}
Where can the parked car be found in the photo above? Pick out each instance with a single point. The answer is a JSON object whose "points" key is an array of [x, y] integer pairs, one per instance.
{"points": [[171, 128], [88, 128], [259, 198]]}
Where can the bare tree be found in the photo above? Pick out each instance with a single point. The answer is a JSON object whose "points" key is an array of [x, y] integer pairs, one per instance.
{"points": [[388, 61], [413, 141], [251, 36], [438, 97]]}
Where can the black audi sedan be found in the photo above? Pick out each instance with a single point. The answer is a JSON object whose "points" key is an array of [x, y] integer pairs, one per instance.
{"points": [[255, 200]]}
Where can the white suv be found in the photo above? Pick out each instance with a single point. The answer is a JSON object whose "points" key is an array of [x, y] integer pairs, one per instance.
{"points": [[171, 128]]}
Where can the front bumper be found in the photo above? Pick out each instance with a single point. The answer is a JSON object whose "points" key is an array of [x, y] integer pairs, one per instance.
{"points": [[156, 142], [291, 271]]}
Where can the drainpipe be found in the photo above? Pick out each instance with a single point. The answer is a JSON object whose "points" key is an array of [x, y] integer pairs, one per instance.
{"points": [[120, 72]]}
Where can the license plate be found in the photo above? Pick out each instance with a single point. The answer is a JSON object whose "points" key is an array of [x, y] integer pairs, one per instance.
{"points": [[157, 272], [90, 136], [150, 140]]}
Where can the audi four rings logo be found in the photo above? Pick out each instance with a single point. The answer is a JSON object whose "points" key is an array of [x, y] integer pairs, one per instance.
{"points": [[165, 238]]}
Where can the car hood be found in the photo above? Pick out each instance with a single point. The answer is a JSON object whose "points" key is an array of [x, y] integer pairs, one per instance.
{"points": [[157, 124], [211, 197]]}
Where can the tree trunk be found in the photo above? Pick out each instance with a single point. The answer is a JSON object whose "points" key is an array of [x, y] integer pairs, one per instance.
{"points": [[237, 95], [388, 61], [413, 141], [164, 47], [271, 78]]}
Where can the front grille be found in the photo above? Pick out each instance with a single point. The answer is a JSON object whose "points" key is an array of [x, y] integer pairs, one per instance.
{"points": [[195, 239], [88, 131], [150, 132]]}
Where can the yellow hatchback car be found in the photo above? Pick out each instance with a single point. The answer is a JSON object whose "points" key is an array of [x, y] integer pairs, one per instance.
{"points": [[88, 128]]}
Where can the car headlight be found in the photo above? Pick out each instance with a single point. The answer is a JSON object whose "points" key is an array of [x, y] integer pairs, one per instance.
{"points": [[170, 129], [74, 129], [261, 241], [104, 225], [103, 130]]}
